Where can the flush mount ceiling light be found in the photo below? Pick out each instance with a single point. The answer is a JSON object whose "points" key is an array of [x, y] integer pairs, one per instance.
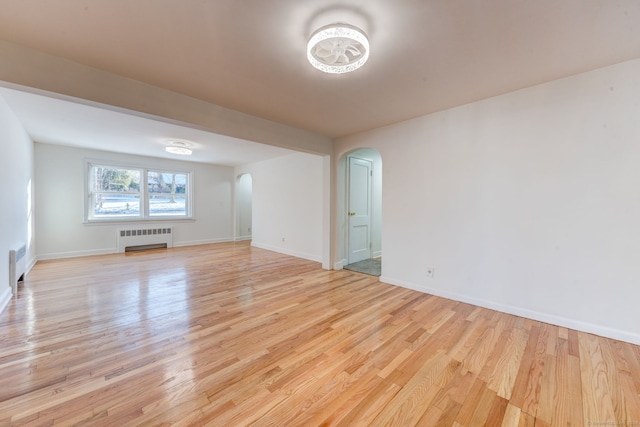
{"points": [[338, 48], [179, 147]]}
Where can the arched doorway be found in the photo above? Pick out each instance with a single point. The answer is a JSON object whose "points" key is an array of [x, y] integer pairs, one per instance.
{"points": [[244, 197], [362, 211]]}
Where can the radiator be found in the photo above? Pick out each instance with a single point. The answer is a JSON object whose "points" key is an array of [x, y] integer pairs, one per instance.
{"points": [[17, 267], [144, 238]]}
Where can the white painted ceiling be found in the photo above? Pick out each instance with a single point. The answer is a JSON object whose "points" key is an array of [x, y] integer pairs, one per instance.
{"points": [[249, 55]]}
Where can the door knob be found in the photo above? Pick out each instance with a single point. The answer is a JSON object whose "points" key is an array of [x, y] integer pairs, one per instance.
{"points": [[352, 213]]}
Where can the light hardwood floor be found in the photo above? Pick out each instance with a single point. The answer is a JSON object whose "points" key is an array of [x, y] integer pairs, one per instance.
{"points": [[229, 335]]}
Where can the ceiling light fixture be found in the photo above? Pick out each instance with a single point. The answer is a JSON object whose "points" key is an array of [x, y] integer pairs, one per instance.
{"points": [[338, 48], [179, 147]]}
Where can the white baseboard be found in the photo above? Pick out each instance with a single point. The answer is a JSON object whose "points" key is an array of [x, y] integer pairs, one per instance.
{"points": [[5, 298], [376, 254], [565, 322], [286, 251], [75, 254], [30, 264], [242, 238], [202, 242], [339, 265], [108, 251]]}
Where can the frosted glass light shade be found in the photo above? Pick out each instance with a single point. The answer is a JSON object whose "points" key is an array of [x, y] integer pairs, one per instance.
{"points": [[178, 150], [338, 48], [179, 147]]}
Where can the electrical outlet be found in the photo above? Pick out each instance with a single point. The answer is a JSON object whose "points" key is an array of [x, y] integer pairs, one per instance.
{"points": [[430, 271]]}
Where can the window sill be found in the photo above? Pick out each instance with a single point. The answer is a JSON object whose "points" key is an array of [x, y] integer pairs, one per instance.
{"points": [[130, 221]]}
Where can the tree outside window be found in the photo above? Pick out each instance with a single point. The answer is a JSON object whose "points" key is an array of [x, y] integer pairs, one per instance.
{"points": [[131, 193]]}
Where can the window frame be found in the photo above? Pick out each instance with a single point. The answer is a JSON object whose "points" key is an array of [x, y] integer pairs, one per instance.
{"points": [[144, 194]]}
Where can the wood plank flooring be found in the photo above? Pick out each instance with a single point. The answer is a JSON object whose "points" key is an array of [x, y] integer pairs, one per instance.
{"points": [[230, 335]]}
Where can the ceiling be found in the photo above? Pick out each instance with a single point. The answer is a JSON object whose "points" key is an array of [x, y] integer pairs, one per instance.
{"points": [[56, 121], [249, 56]]}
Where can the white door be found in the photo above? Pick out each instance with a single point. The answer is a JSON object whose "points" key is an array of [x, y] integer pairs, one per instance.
{"points": [[359, 213]]}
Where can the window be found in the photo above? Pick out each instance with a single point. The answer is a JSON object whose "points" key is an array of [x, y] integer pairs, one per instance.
{"points": [[126, 193], [167, 193]]}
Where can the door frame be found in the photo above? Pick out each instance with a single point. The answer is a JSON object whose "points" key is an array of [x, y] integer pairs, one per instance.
{"points": [[348, 203], [340, 244], [238, 234]]}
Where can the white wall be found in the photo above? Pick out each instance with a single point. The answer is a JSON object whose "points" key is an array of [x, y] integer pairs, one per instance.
{"points": [[528, 202], [59, 184], [288, 204], [16, 202]]}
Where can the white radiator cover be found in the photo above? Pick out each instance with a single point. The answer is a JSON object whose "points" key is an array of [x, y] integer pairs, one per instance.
{"points": [[132, 237], [17, 267]]}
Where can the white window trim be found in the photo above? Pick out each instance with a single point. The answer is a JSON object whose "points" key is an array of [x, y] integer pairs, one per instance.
{"points": [[144, 200]]}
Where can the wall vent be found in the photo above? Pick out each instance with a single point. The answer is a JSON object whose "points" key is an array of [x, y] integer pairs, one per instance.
{"points": [[17, 267], [144, 238]]}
